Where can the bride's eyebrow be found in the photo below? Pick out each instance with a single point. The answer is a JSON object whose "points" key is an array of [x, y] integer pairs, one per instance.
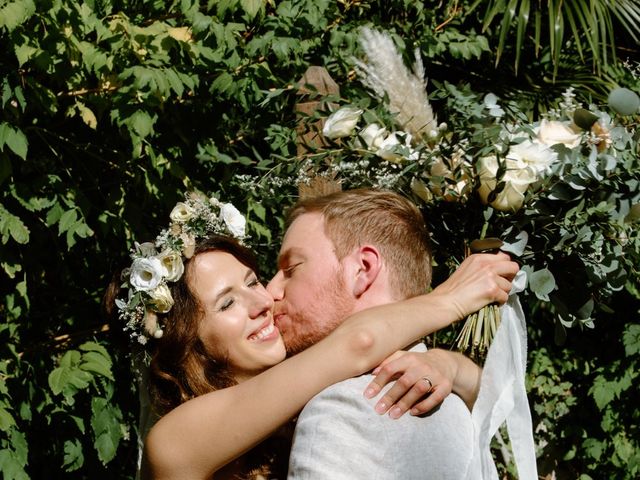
{"points": [[221, 294], [226, 290]]}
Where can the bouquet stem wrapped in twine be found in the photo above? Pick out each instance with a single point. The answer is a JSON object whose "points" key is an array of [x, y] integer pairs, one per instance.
{"points": [[480, 327]]}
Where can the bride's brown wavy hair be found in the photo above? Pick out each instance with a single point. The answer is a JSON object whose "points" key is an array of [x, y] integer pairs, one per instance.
{"points": [[181, 366]]}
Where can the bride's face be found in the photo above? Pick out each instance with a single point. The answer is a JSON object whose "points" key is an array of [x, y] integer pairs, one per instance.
{"points": [[238, 321]]}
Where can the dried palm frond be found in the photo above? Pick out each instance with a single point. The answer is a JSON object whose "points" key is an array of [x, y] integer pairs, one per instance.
{"points": [[384, 72]]}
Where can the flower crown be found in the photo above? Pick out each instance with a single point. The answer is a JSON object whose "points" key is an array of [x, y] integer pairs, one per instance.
{"points": [[155, 264]]}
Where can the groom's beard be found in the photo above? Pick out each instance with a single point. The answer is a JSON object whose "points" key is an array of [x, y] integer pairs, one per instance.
{"points": [[326, 310]]}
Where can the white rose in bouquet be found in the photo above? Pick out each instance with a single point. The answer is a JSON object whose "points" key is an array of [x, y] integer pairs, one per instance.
{"points": [[181, 213], [172, 262], [391, 148], [161, 298], [373, 135], [554, 132], [146, 273], [341, 123], [537, 156], [234, 220]]}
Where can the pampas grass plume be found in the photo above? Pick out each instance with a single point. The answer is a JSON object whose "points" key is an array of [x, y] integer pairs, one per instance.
{"points": [[384, 72]]}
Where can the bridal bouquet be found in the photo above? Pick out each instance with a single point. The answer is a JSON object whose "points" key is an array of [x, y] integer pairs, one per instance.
{"points": [[559, 189]]}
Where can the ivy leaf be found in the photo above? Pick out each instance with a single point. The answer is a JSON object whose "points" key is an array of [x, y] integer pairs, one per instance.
{"points": [[105, 422], [24, 53], [222, 83], [252, 7], [15, 13], [11, 225], [88, 117], [73, 456], [14, 139], [20, 447], [67, 220], [9, 465], [97, 363], [141, 123], [6, 420], [58, 379], [631, 339], [54, 214]]}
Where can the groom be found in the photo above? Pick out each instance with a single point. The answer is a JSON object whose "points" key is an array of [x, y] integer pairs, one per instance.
{"points": [[343, 253]]}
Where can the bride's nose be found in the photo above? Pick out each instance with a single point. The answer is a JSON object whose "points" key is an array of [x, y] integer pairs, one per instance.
{"points": [[261, 302]]}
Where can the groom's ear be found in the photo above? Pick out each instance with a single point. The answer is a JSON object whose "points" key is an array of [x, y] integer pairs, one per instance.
{"points": [[369, 264]]}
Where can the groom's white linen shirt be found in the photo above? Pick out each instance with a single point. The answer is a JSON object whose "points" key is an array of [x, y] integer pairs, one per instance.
{"points": [[339, 436]]}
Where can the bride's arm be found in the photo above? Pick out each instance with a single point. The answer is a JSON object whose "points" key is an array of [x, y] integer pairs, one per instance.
{"points": [[204, 434]]}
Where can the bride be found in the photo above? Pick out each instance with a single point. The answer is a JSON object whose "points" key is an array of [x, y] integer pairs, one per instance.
{"points": [[219, 379]]}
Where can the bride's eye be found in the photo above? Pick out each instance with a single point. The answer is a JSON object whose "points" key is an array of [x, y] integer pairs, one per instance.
{"points": [[228, 303], [254, 282]]}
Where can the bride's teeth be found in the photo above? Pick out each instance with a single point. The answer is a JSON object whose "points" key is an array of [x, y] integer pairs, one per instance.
{"points": [[262, 333]]}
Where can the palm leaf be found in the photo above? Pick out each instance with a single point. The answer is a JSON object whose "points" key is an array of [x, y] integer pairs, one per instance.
{"points": [[589, 22], [628, 14]]}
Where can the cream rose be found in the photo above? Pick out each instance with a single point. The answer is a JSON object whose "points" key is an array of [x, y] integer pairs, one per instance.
{"points": [[146, 273], [341, 123], [440, 169], [234, 220], [181, 213], [517, 180], [161, 298], [172, 262], [554, 132]]}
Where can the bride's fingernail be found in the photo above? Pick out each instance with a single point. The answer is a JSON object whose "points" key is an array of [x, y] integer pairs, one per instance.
{"points": [[369, 392], [381, 408], [395, 412]]}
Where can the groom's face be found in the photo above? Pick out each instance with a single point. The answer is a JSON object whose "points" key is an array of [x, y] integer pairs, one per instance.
{"points": [[309, 288]]}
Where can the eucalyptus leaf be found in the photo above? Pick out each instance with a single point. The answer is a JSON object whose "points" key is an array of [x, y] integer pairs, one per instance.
{"points": [[542, 283]]}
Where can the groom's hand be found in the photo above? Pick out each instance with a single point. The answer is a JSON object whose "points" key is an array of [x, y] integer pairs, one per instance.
{"points": [[480, 280]]}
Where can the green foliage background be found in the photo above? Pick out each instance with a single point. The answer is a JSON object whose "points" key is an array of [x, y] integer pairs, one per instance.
{"points": [[111, 109]]}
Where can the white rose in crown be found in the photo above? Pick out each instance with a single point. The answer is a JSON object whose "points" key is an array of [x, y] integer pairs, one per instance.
{"points": [[146, 273], [172, 262], [234, 220], [181, 213], [161, 298], [188, 244], [554, 132], [341, 123], [146, 249], [373, 135], [517, 180]]}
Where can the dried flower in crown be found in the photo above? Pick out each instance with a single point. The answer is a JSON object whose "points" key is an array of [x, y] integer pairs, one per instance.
{"points": [[155, 264]]}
